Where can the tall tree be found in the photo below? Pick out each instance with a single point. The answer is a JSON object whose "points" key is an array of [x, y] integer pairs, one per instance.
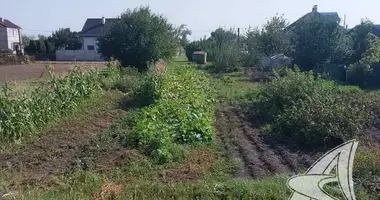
{"points": [[181, 33], [253, 50], [49, 46], [64, 38], [360, 41], [41, 48], [139, 37], [26, 39], [273, 39], [31, 48]]}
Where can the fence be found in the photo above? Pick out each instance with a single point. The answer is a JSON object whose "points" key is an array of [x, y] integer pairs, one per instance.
{"points": [[77, 55]]}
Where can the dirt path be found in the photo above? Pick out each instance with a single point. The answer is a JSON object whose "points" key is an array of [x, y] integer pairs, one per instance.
{"points": [[39, 160], [258, 155], [34, 70]]}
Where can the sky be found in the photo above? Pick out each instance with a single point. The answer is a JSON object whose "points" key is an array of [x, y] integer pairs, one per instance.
{"points": [[201, 16]]}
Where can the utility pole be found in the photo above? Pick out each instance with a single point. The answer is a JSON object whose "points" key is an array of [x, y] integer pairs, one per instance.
{"points": [[344, 23], [238, 39]]}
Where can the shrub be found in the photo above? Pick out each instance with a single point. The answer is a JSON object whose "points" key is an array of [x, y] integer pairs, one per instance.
{"points": [[312, 111], [228, 58], [182, 112]]}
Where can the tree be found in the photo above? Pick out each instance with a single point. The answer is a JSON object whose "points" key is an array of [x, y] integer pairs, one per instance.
{"points": [[362, 73], [273, 39], [26, 39], [181, 34], [65, 39], [253, 50], [41, 48], [317, 40], [359, 37], [139, 37], [49, 46], [31, 48]]}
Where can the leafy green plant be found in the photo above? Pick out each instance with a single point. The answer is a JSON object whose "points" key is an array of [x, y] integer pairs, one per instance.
{"points": [[181, 112]]}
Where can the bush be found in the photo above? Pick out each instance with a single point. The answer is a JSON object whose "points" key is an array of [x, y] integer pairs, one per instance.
{"points": [[182, 112], [228, 58], [139, 38], [359, 74], [313, 111]]}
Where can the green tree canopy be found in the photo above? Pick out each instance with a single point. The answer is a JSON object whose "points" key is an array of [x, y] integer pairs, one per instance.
{"points": [[65, 39], [181, 33], [41, 48], [139, 37], [360, 41], [31, 48], [273, 39]]}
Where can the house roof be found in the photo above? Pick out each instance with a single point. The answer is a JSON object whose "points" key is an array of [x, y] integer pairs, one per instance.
{"points": [[324, 14], [375, 30], [8, 24], [93, 27]]}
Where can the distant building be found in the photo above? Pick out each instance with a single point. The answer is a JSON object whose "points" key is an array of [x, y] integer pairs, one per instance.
{"points": [[92, 29], [375, 29], [314, 11], [10, 37]]}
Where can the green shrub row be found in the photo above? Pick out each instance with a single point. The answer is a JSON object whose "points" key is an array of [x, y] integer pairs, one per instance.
{"points": [[24, 115], [182, 112], [313, 111]]}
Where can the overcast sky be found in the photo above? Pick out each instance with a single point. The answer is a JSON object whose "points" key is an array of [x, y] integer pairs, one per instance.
{"points": [[201, 16]]}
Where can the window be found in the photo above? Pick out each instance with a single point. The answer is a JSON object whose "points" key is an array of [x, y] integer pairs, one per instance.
{"points": [[90, 47]]}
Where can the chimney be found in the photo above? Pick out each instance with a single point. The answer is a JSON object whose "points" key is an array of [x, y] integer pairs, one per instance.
{"points": [[103, 20], [315, 8]]}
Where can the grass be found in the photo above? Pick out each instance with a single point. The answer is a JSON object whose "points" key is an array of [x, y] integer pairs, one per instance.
{"points": [[235, 87]]}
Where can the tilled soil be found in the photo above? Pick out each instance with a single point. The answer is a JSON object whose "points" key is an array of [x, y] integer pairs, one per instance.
{"points": [[36, 70], [39, 160], [258, 155]]}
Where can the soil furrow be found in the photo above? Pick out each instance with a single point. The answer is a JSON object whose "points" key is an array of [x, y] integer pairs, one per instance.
{"points": [[258, 155], [40, 159]]}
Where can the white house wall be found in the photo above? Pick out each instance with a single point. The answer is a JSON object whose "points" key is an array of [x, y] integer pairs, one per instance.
{"points": [[91, 41], [13, 37]]}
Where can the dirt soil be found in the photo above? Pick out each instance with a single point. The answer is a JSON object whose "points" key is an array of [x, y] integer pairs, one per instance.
{"points": [[35, 70], [41, 159], [258, 155]]}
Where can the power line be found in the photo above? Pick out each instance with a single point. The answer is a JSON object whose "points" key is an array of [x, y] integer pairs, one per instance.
{"points": [[37, 30]]}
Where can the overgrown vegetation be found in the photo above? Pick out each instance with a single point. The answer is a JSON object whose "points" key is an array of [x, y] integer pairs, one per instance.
{"points": [[181, 113], [313, 111]]}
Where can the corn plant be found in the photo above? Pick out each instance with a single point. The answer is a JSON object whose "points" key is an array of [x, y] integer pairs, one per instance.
{"points": [[23, 116]]}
